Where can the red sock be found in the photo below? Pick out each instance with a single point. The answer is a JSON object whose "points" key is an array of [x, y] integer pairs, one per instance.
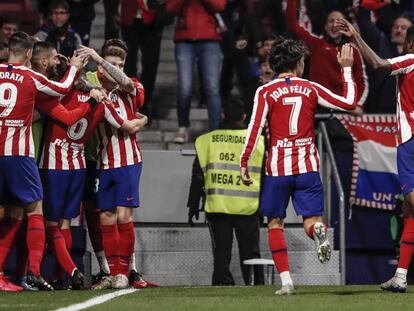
{"points": [[35, 241], [57, 242], [8, 231], [67, 235], [126, 246], [110, 242], [22, 258], [407, 244], [278, 248], [92, 217]]}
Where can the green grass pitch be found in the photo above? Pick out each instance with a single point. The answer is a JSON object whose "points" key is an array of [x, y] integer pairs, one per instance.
{"points": [[320, 298]]}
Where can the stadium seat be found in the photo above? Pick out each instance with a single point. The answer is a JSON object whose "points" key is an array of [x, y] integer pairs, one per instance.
{"points": [[29, 20]]}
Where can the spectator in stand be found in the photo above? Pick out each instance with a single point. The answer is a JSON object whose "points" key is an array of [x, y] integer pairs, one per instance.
{"points": [[266, 18], [196, 37], [58, 31], [9, 24], [323, 54], [381, 97], [82, 14], [112, 19], [140, 30]]}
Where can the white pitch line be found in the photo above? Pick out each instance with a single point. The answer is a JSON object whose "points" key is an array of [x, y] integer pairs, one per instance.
{"points": [[97, 300]]}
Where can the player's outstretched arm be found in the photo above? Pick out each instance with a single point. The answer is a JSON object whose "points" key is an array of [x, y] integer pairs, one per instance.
{"points": [[124, 82], [369, 55]]}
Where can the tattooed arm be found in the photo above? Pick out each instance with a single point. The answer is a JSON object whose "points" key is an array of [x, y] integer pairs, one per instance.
{"points": [[116, 73]]}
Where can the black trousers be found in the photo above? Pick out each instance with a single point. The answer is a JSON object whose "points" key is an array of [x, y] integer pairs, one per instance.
{"points": [[112, 18], [147, 38], [248, 239]]}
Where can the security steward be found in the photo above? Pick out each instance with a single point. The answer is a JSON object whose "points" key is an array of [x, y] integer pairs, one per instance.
{"points": [[229, 205]]}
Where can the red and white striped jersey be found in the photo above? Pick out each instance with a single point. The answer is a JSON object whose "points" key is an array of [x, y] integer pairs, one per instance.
{"points": [[403, 68], [19, 87], [115, 147], [64, 142], [289, 105]]}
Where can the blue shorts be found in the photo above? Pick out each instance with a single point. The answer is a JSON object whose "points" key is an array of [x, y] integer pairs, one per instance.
{"points": [[19, 180], [405, 165], [305, 189], [118, 187], [63, 191]]}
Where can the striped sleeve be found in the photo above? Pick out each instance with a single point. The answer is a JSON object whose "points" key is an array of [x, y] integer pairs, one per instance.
{"points": [[138, 93], [53, 88], [112, 116], [361, 78], [328, 99], [402, 64], [257, 121]]}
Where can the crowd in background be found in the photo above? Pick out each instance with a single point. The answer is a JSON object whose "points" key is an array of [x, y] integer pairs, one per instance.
{"points": [[228, 42]]}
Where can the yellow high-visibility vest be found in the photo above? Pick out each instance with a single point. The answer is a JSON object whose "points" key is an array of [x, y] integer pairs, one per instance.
{"points": [[219, 154]]}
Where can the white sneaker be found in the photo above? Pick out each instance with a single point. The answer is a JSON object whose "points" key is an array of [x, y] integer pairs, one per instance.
{"points": [[182, 136], [397, 284], [287, 289], [322, 243], [120, 281]]}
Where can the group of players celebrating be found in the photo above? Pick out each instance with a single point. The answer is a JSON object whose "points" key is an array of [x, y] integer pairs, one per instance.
{"points": [[101, 109], [38, 200]]}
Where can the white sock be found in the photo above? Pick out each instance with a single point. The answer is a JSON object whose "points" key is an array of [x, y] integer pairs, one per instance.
{"points": [[103, 263], [286, 279], [402, 272], [132, 265]]}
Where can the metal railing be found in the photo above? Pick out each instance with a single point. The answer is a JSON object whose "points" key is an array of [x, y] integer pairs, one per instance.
{"points": [[328, 167]]}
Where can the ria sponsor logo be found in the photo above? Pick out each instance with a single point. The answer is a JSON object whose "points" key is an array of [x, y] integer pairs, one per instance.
{"points": [[286, 143]]}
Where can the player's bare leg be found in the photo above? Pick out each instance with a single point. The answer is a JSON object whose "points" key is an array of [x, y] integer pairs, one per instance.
{"points": [[35, 244], [398, 283], [278, 248], [9, 227], [317, 230]]}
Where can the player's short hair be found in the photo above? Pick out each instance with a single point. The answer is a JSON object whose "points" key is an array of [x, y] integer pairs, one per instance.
{"points": [[20, 43], [233, 109], [285, 55], [58, 4], [41, 49], [9, 19], [409, 37], [114, 47]]}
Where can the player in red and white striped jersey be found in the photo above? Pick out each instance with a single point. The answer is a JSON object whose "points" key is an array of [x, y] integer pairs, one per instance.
{"points": [[119, 167], [19, 177], [289, 105], [403, 68]]}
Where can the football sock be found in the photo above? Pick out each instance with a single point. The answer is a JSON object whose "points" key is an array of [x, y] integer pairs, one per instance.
{"points": [[407, 244], [8, 231], [309, 231], [402, 273], [21, 251], [126, 246], [57, 241], [103, 263], [35, 241], [132, 263], [278, 249], [111, 245], [67, 235]]}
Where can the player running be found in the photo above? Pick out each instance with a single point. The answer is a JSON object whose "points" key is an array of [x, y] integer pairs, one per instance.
{"points": [[289, 104], [119, 166], [19, 177], [403, 68]]}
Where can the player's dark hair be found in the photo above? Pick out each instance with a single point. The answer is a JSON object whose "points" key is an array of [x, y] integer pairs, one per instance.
{"points": [[58, 4], [20, 43], [409, 37], [40, 49], [233, 109], [114, 47], [285, 55], [9, 19]]}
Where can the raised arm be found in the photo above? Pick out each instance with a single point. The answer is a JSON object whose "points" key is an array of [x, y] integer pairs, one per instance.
{"points": [[348, 101], [124, 82], [369, 55], [257, 122]]}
